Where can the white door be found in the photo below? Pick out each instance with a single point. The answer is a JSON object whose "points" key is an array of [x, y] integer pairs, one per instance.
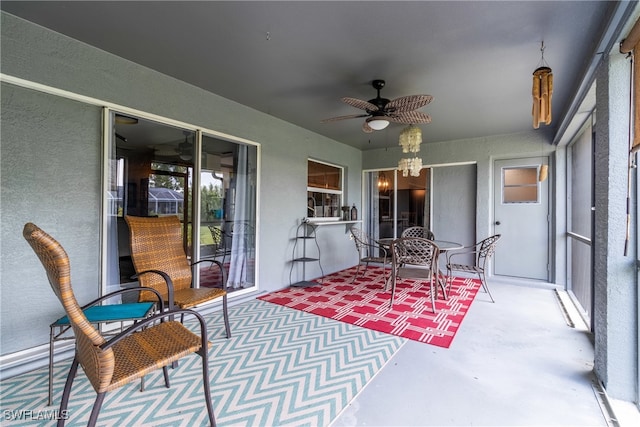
{"points": [[521, 216]]}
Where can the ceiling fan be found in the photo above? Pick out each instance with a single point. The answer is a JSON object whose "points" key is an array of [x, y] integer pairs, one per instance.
{"points": [[381, 111]]}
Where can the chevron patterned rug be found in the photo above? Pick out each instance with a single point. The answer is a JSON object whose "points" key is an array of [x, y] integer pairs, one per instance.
{"points": [[281, 367], [365, 303]]}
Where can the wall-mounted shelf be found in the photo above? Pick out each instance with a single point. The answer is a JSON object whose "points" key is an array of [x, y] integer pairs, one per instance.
{"points": [[347, 224]]}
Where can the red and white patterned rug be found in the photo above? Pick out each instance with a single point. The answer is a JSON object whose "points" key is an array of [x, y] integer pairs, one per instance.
{"points": [[365, 303]]}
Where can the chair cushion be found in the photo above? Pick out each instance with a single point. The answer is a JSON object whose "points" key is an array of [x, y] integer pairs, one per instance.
{"points": [[112, 313]]}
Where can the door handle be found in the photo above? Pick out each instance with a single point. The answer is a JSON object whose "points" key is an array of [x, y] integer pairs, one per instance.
{"points": [[497, 222]]}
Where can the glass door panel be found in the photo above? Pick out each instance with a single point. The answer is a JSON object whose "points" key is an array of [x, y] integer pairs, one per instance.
{"points": [[228, 177], [150, 166], [393, 202]]}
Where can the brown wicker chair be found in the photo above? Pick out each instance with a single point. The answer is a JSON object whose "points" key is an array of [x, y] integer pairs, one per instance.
{"points": [[418, 231], [148, 345], [368, 251], [416, 258], [482, 251], [156, 244]]}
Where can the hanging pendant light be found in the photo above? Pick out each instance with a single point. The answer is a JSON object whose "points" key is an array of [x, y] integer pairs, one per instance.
{"points": [[410, 166], [383, 182], [410, 140], [542, 91]]}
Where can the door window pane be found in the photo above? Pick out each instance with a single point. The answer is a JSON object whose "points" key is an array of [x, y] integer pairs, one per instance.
{"points": [[520, 185]]}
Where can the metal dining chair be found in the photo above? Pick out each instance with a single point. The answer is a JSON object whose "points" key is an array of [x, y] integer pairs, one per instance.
{"points": [[418, 231], [416, 258], [482, 252], [368, 252]]}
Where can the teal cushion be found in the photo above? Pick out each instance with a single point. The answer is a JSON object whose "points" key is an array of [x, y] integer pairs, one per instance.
{"points": [[112, 313]]}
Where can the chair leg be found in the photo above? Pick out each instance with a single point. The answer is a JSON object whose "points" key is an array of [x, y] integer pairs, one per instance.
{"points": [[51, 333], [205, 382], [442, 282], [393, 288], [142, 384], [433, 290], [165, 372], [483, 279], [225, 313], [384, 275], [64, 402], [355, 276], [96, 409]]}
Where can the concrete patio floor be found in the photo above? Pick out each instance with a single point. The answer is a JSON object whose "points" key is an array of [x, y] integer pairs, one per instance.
{"points": [[516, 362]]}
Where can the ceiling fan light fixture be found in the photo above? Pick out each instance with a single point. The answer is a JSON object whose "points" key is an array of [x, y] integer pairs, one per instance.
{"points": [[377, 123]]}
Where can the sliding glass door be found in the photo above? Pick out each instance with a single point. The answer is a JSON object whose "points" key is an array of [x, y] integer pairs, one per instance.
{"points": [[209, 182], [394, 202], [228, 177]]}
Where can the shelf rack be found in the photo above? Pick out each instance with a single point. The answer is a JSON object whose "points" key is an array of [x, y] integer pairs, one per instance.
{"points": [[305, 232]]}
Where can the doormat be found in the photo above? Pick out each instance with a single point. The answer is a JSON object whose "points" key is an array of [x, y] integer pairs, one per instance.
{"points": [[365, 303]]}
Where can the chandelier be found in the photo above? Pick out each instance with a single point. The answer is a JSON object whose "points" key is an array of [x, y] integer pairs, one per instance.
{"points": [[383, 182], [410, 140], [410, 166]]}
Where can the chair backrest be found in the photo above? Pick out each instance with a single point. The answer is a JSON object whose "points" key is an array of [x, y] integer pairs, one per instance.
{"points": [[361, 239], [418, 231], [245, 232], [219, 238], [485, 250], [97, 363], [415, 251], [156, 244]]}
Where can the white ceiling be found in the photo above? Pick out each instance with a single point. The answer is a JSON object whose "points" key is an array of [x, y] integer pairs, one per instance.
{"points": [[295, 60]]}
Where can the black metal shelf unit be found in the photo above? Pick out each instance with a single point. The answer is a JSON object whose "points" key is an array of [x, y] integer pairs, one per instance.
{"points": [[305, 232]]}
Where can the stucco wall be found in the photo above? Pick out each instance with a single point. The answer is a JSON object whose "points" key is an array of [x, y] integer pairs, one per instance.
{"points": [[51, 168], [481, 151], [615, 293]]}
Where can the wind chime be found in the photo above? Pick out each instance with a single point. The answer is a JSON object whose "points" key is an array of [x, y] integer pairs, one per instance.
{"points": [[542, 91]]}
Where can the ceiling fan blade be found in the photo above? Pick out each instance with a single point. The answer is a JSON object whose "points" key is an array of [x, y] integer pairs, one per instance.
{"points": [[350, 116], [366, 128], [410, 118], [359, 103], [408, 103]]}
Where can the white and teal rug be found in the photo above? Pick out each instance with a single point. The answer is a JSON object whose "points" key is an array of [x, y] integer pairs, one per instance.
{"points": [[282, 367]]}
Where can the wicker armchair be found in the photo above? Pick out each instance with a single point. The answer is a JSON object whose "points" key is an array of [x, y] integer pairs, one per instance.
{"points": [[368, 251], [416, 258], [98, 314], [148, 345], [482, 251], [418, 231], [156, 244]]}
